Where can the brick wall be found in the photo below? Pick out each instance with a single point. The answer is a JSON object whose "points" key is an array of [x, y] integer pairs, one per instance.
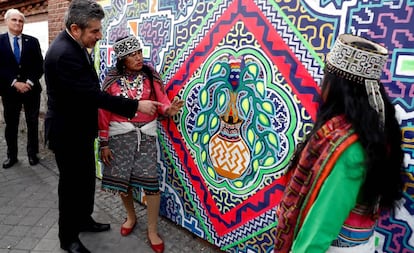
{"points": [[56, 12]]}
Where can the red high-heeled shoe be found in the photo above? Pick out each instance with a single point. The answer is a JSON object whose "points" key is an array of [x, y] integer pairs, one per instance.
{"points": [[126, 231], [157, 248]]}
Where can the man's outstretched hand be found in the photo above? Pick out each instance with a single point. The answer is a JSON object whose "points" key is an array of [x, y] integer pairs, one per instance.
{"points": [[148, 106]]}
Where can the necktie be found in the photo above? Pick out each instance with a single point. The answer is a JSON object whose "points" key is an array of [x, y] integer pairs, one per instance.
{"points": [[17, 49], [88, 56]]}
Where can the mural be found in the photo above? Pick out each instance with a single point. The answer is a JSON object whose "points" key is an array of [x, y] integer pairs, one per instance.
{"points": [[249, 72]]}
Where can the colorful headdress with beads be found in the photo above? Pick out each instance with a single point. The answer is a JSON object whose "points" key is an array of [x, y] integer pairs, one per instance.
{"points": [[361, 65], [126, 46]]}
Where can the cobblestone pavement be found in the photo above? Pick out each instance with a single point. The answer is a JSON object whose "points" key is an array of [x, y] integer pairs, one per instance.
{"points": [[28, 214]]}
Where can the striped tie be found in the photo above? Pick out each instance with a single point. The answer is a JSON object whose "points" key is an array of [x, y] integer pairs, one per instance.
{"points": [[17, 49]]}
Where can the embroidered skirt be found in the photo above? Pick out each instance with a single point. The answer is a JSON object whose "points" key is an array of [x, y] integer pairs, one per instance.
{"points": [[131, 167]]}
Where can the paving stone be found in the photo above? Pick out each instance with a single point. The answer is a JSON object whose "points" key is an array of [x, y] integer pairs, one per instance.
{"points": [[18, 251], [37, 231], [48, 220], [52, 233], [19, 231], [29, 214], [27, 243], [6, 210], [47, 245], [12, 219], [4, 229], [2, 216], [9, 242]]}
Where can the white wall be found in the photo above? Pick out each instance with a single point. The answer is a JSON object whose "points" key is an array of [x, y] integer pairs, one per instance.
{"points": [[39, 30]]}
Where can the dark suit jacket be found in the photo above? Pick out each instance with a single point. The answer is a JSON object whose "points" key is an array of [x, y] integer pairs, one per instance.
{"points": [[30, 67], [74, 95]]}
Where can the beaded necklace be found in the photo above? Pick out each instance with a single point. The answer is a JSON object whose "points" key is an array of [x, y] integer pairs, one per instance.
{"points": [[128, 87]]}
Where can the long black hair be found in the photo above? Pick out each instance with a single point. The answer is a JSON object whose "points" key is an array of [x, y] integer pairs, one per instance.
{"points": [[382, 145]]}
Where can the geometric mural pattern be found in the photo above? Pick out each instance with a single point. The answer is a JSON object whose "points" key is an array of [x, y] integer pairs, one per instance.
{"points": [[249, 73]]}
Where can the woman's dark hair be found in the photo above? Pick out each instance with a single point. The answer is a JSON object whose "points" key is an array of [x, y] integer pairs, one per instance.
{"points": [[384, 156]]}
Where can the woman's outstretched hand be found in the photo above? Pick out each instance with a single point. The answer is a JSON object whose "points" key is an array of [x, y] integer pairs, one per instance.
{"points": [[175, 107]]}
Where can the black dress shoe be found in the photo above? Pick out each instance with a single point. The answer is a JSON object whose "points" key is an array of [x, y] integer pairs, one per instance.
{"points": [[95, 227], [9, 162], [75, 247], [33, 160]]}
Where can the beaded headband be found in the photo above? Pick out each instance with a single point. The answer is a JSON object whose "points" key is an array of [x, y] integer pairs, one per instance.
{"points": [[126, 46], [360, 65], [356, 64]]}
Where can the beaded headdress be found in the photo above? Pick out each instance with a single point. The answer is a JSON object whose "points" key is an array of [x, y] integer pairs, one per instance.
{"points": [[126, 46], [361, 65]]}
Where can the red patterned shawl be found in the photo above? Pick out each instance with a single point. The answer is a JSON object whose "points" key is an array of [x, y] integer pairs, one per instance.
{"points": [[316, 162]]}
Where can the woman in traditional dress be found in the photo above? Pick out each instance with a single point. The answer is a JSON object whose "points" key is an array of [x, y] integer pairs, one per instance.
{"points": [[350, 167], [128, 145]]}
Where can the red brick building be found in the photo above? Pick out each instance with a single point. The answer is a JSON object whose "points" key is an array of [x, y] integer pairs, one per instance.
{"points": [[51, 11]]}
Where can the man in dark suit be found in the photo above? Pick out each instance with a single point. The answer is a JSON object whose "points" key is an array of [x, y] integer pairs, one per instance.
{"points": [[71, 126], [21, 67]]}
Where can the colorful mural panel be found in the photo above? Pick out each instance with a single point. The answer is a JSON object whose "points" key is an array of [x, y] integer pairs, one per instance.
{"points": [[249, 72]]}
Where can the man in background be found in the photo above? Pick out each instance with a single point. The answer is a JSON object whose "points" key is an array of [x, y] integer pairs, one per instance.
{"points": [[21, 67]]}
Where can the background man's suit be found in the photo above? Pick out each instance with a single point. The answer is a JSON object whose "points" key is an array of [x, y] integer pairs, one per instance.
{"points": [[29, 68]]}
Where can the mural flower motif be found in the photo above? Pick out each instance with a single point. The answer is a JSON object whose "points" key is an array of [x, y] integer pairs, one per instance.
{"points": [[234, 99]]}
